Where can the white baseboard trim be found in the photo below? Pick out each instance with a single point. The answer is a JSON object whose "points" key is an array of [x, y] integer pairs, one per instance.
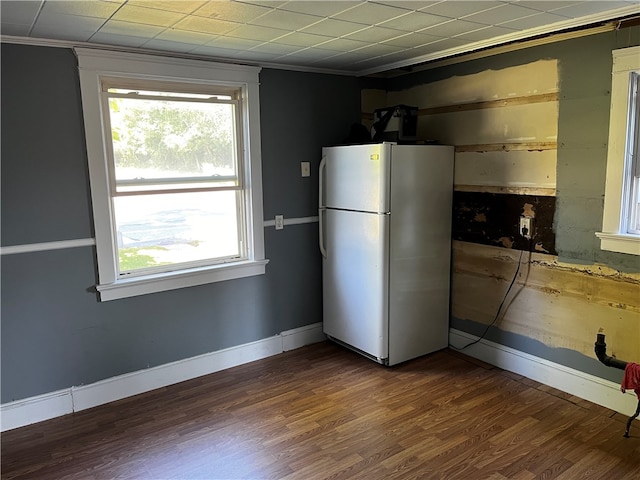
{"points": [[299, 337], [35, 409], [588, 387], [62, 402], [50, 405]]}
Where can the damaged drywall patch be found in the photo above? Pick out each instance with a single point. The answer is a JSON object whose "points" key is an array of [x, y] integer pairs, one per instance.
{"points": [[493, 219], [528, 210]]}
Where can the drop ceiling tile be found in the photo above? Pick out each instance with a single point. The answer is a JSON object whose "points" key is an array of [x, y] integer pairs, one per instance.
{"points": [[118, 40], [233, 43], [400, 56], [321, 9], [184, 36], [452, 28], [443, 44], [180, 6], [264, 3], [285, 20], [147, 16], [500, 14], [370, 13], [343, 45], [117, 27], [302, 39], [534, 21], [81, 32], [375, 34], [350, 57], [587, 8], [15, 29], [232, 11], [277, 49], [306, 55], [333, 28], [165, 46], [71, 26], [377, 49], [256, 32], [217, 52], [208, 26], [334, 63], [485, 34], [459, 9], [19, 13], [411, 40], [97, 9], [382, 31], [545, 5], [254, 57], [366, 64], [409, 5], [415, 21]]}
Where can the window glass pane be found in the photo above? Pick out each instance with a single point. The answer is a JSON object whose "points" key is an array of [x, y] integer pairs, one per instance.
{"points": [[634, 217], [633, 141], [164, 230], [125, 91], [164, 139]]}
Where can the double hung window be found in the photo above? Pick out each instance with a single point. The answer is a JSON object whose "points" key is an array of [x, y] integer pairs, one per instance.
{"points": [[621, 219], [174, 163], [632, 208]]}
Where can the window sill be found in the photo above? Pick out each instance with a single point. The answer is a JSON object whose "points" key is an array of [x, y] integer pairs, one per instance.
{"points": [[131, 287], [618, 242]]}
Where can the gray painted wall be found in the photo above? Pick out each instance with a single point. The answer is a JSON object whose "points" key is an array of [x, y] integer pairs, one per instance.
{"points": [[54, 332]]}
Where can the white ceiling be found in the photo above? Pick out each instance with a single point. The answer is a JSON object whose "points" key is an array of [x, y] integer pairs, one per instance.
{"points": [[351, 37]]}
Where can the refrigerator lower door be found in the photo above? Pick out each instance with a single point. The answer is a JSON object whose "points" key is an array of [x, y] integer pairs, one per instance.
{"points": [[355, 280]]}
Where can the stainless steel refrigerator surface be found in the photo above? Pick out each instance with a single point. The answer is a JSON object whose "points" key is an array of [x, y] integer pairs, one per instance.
{"points": [[385, 238]]}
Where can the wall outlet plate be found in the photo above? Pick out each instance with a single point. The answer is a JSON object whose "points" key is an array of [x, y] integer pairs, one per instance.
{"points": [[305, 169], [526, 227], [279, 222]]}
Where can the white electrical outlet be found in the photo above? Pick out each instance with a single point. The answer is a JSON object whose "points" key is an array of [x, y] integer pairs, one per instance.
{"points": [[305, 169], [526, 224], [279, 222]]}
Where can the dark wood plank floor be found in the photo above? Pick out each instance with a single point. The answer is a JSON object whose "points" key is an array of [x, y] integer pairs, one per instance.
{"points": [[324, 412]]}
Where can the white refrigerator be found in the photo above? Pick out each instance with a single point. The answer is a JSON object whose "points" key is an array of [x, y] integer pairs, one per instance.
{"points": [[385, 239]]}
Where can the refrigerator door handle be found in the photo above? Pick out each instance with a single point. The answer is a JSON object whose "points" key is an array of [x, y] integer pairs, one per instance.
{"points": [[321, 169], [323, 250], [323, 163]]}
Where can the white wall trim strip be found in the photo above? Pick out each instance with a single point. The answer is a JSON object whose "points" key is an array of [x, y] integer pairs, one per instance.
{"points": [[588, 387], [45, 246], [89, 242], [292, 221], [50, 405]]}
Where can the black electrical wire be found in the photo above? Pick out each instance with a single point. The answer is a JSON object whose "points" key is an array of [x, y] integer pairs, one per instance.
{"points": [[513, 281]]}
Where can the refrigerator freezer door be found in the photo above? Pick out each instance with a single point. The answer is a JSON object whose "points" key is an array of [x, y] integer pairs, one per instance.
{"points": [[355, 280], [357, 177]]}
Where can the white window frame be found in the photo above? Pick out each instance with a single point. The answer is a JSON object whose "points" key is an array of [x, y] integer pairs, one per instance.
{"points": [[96, 64], [614, 236]]}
